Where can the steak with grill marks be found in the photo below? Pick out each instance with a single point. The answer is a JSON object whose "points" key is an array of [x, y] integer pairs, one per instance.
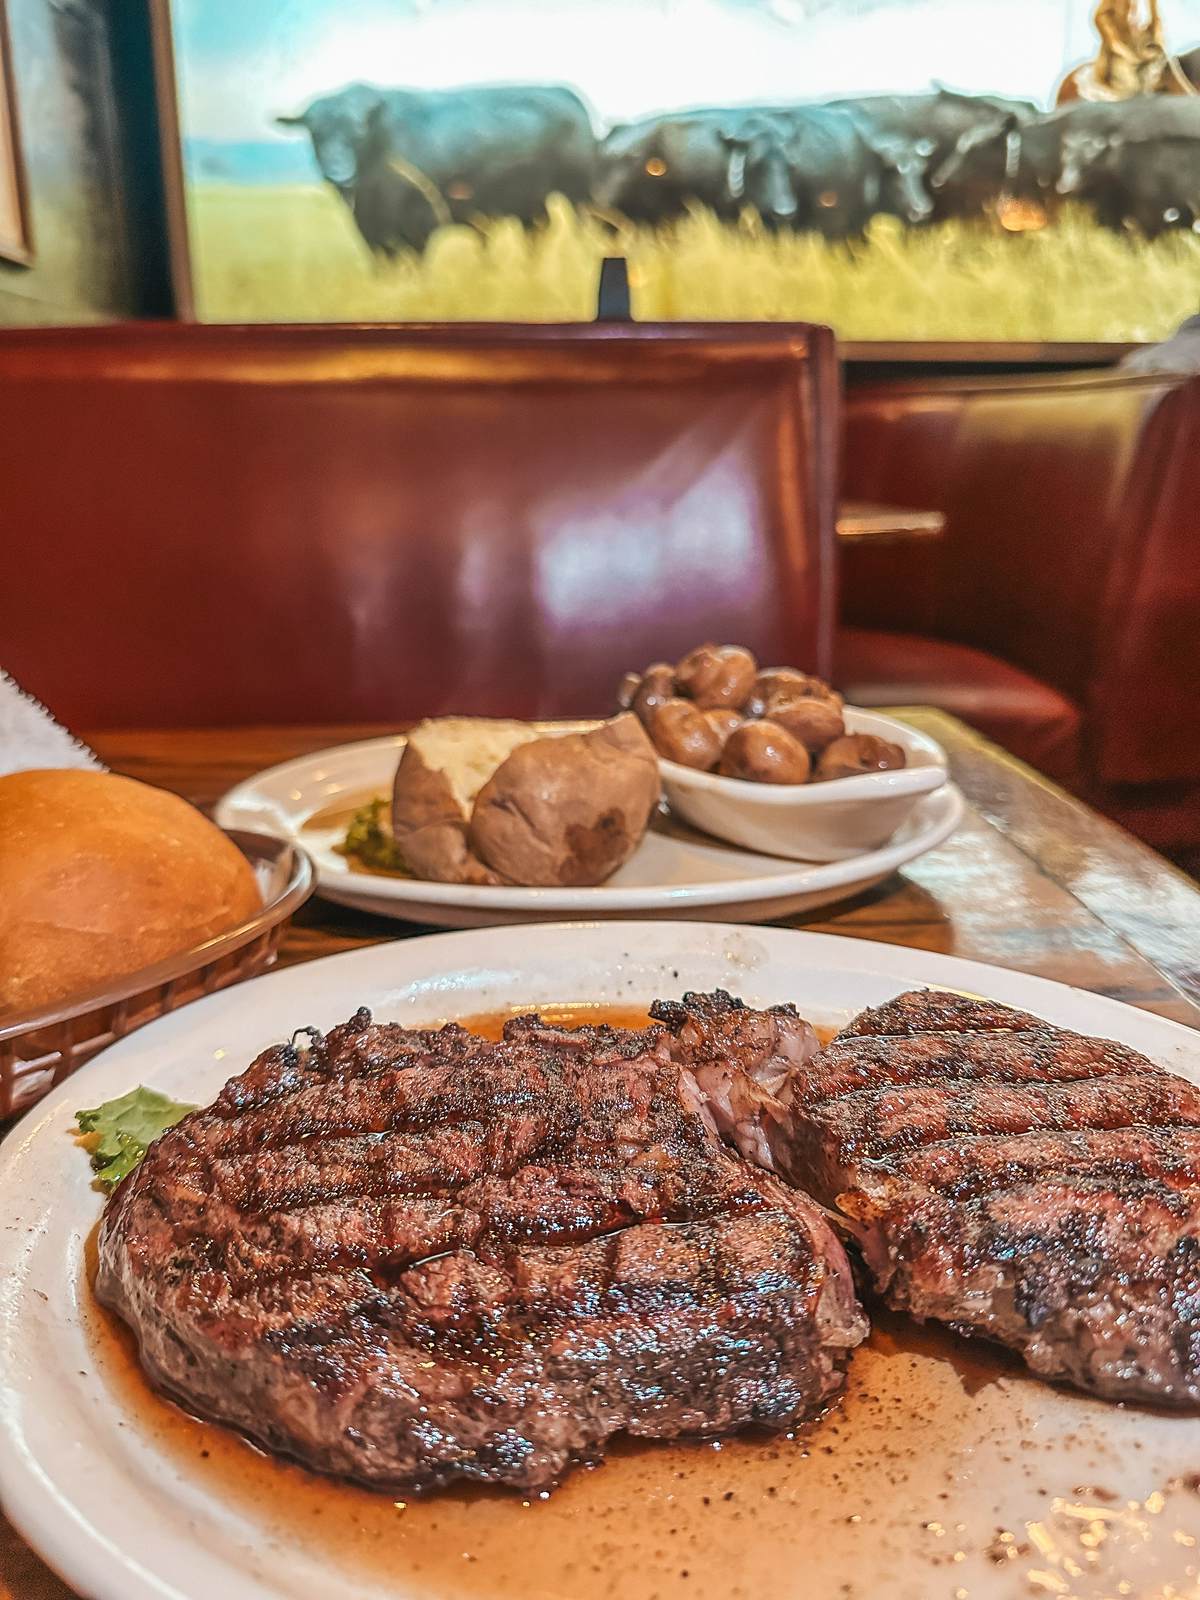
{"points": [[412, 1257], [1009, 1178]]}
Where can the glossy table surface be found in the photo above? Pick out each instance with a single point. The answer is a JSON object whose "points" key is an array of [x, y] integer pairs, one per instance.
{"points": [[1033, 880]]}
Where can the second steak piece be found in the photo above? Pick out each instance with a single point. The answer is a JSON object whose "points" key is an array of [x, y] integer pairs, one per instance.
{"points": [[1018, 1181], [1008, 1178]]}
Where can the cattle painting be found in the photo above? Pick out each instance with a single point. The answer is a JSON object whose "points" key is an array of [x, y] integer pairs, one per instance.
{"points": [[894, 168]]}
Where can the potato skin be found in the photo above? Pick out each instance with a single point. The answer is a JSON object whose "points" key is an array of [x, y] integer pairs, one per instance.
{"points": [[431, 828], [567, 812]]}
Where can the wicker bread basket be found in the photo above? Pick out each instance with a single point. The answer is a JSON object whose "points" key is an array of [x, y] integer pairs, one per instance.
{"points": [[37, 1052]]}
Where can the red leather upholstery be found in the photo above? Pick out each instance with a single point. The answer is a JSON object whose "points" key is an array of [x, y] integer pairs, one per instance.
{"points": [[208, 525], [1028, 717], [1073, 512]]}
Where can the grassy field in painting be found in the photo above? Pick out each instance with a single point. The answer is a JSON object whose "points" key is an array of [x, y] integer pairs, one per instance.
{"points": [[292, 254]]}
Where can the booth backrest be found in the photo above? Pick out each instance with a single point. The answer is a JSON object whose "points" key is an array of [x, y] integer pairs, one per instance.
{"points": [[215, 525], [1073, 527]]}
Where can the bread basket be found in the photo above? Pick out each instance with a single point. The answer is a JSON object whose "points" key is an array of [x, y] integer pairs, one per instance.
{"points": [[39, 1051]]}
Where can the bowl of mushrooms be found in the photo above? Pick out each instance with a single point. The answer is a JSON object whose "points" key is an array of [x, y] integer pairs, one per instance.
{"points": [[774, 760]]}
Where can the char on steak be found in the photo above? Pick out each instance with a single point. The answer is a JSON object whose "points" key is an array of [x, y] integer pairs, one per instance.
{"points": [[412, 1257], [1008, 1178]]}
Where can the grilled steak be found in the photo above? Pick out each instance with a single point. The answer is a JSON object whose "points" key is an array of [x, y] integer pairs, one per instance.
{"points": [[1006, 1177], [411, 1257]]}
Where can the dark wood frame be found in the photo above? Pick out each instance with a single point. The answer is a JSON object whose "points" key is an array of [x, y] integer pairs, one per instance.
{"points": [[19, 252], [1010, 355], [166, 86]]}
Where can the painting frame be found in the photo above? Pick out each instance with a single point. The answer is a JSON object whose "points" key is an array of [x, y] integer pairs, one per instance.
{"points": [[170, 133], [867, 356], [16, 223]]}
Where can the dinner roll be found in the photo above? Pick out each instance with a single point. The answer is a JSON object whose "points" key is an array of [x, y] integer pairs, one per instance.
{"points": [[100, 876]]}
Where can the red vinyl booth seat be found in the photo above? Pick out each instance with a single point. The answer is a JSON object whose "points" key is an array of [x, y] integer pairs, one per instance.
{"points": [[1026, 716], [230, 526], [1061, 611]]}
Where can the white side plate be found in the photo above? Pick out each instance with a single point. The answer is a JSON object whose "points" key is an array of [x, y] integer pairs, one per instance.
{"points": [[675, 872], [924, 1486]]}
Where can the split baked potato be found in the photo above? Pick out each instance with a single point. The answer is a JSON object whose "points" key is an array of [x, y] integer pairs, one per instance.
{"points": [[480, 801]]}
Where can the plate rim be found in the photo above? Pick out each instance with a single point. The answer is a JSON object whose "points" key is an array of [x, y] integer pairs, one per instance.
{"points": [[45, 1516]]}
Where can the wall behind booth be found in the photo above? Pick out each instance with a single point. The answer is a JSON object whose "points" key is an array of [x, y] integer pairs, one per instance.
{"points": [[97, 246]]}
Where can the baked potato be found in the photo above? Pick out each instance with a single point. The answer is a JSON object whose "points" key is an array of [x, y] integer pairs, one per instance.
{"points": [[478, 801]]}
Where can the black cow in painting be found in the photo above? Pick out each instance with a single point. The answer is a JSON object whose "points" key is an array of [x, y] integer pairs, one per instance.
{"points": [[804, 167], [1131, 162], [1137, 162], [925, 133], [408, 160], [336, 124], [844, 171], [1007, 169], [652, 170]]}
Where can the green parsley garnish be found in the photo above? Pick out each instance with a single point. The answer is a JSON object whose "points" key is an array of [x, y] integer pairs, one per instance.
{"points": [[119, 1132]]}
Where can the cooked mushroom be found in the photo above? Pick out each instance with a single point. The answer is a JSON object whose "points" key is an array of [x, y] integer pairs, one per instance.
{"points": [[857, 753], [717, 676], [763, 752], [816, 723], [681, 732], [657, 686], [777, 682], [724, 722], [627, 689]]}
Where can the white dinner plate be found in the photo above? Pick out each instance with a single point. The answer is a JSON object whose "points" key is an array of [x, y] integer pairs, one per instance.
{"points": [[935, 1479], [675, 872]]}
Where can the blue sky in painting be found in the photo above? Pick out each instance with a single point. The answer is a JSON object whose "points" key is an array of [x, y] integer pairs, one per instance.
{"points": [[242, 61]]}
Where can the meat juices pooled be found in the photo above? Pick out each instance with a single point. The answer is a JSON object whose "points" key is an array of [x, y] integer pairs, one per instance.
{"points": [[412, 1257], [1011, 1179]]}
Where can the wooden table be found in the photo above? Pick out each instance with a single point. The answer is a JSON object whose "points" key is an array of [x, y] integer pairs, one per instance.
{"points": [[859, 520], [1033, 880]]}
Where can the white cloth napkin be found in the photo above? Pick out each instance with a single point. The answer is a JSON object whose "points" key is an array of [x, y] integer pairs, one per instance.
{"points": [[30, 737]]}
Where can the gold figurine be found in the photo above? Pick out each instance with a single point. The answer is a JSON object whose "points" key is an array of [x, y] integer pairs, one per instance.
{"points": [[1132, 60]]}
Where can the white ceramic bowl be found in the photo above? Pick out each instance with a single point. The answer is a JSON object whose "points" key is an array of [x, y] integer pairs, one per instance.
{"points": [[812, 821]]}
